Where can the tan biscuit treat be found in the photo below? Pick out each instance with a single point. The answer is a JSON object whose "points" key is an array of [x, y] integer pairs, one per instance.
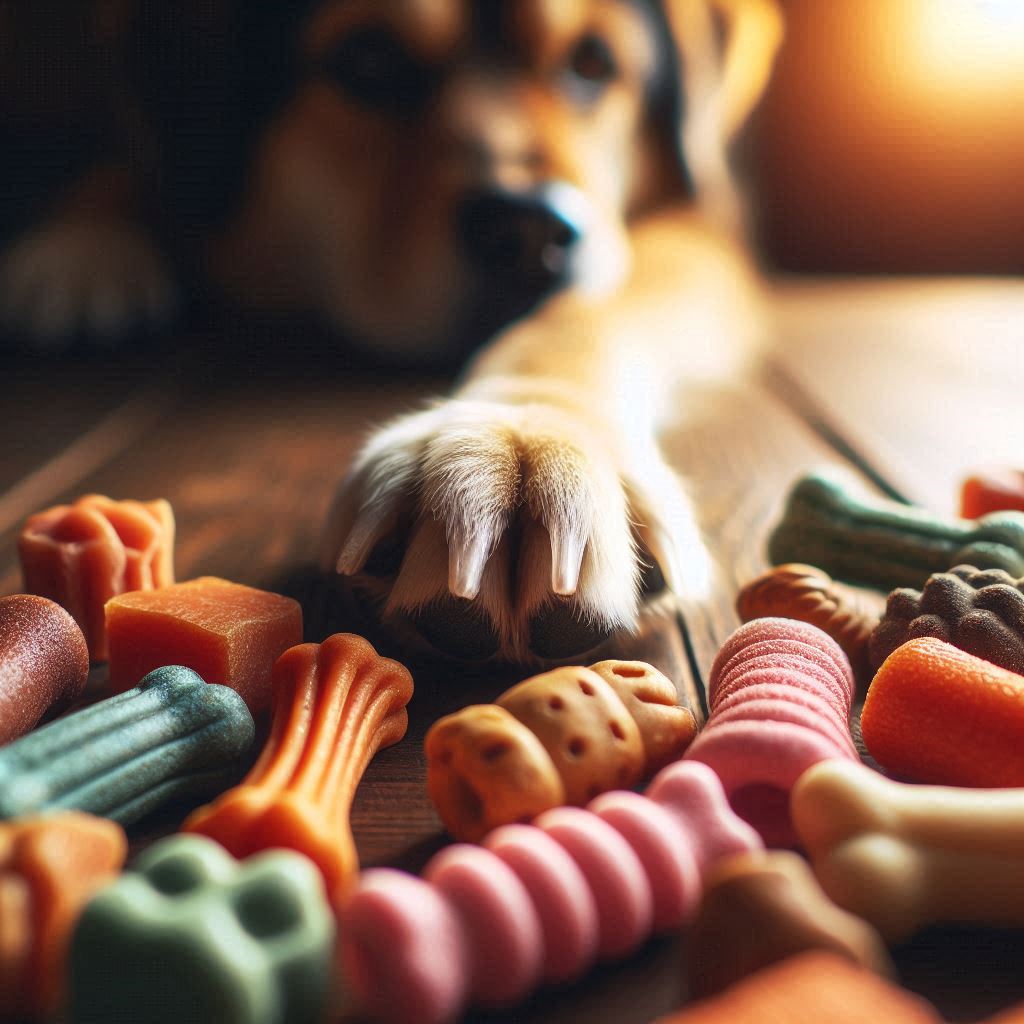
{"points": [[585, 728], [485, 768], [650, 697], [760, 908], [904, 856], [804, 592]]}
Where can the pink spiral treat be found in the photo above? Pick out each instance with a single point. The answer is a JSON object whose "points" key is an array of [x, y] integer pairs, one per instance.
{"points": [[780, 694], [540, 902]]}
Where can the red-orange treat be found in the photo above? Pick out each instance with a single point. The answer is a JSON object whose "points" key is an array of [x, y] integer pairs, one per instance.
{"points": [[335, 705], [82, 555], [936, 714], [230, 634], [992, 490], [810, 989], [49, 869], [44, 661]]}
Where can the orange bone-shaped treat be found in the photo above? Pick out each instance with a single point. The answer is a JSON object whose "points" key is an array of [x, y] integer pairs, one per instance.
{"points": [[335, 705], [229, 633], [82, 555], [809, 989], [49, 869]]}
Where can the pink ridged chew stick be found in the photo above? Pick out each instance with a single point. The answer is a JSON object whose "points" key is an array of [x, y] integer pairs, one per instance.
{"points": [[779, 693], [335, 705]]}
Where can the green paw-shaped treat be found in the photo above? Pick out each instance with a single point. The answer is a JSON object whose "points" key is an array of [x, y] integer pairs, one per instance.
{"points": [[171, 737], [831, 524], [191, 934]]}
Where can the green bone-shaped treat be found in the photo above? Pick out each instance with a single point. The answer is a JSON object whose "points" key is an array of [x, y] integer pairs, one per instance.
{"points": [[191, 934], [829, 523], [171, 737]]}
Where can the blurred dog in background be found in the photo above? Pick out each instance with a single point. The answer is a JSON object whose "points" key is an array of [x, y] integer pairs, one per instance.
{"points": [[539, 187]]}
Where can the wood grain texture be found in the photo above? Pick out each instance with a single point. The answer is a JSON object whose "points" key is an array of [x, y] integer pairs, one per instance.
{"points": [[877, 377]]}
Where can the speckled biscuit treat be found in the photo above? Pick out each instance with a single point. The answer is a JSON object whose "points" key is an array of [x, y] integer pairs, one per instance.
{"points": [[829, 522]]}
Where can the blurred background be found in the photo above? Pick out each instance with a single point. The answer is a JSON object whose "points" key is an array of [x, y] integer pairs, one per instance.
{"points": [[891, 140]]}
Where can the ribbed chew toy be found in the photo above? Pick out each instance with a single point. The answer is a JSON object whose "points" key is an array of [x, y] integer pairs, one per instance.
{"points": [[830, 523], [779, 693], [172, 737], [44, 661], [804, 592], [979, 611], [49, 868], [937, 714], [335, 705], [82, 555], [536, 903], [557, 738], [760, 908], [189, 934], [810, 989], [905, 856], [993, 489]]}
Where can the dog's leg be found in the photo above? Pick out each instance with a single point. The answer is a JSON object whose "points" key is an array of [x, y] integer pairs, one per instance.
{"points": [[90, 270], [525, 503]]}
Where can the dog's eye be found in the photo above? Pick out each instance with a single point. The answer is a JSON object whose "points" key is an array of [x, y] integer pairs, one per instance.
{"points": [[376, 70], [592, 63]]}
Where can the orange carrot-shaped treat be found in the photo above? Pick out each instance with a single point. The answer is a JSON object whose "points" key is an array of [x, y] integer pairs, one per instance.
{"points": [[82, 555], [335, 705], [49, 869], [809, 989], [937, 714]]}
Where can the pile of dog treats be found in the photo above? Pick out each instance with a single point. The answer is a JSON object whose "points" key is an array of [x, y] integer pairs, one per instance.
{"points": [[790, 863]]}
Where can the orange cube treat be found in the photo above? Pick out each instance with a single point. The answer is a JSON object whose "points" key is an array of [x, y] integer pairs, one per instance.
{"points": [[230, 634], [50, 867], [937, 714], [335, 705], [82, 555]]}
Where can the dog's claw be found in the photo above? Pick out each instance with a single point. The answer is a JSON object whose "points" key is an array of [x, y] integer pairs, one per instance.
{"points": [[567, 548], [467, 559]]}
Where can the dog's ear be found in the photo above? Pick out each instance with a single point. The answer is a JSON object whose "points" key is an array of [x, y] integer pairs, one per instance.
{"points": [[726, 50]]}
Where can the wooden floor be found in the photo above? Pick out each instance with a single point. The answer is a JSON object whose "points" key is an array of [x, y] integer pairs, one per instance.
{"points": [[908, 384]]}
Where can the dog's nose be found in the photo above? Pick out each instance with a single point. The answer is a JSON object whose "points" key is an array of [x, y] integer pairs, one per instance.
{"points": [[523, 237]]}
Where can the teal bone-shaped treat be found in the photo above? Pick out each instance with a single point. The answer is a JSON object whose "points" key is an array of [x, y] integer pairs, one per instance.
{"points": [[883, 544], [191, 934], [171, 737]]}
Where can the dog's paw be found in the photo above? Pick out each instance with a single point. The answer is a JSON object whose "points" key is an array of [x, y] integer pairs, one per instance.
{"points": [[84, 279], [512, 530]]}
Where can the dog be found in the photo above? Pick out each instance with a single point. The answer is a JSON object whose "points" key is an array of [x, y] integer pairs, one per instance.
{"points": [[536, 188]]}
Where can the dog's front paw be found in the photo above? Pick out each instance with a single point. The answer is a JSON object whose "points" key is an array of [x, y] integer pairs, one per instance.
{"points": [[84, 279], [505, 529]]}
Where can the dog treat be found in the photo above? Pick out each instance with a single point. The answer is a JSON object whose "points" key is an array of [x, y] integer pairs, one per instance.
{"points": [[809, 989], [230, 634], [172, 737], [557, 738], [937, 714], [49, 868], [795, 591], [191, 935], [994, 489], [82, 555], [760, 908], [44, 661], [883, 544], [906, 856], [779, 693], [979, 611], [335, 705], [537, 902]]}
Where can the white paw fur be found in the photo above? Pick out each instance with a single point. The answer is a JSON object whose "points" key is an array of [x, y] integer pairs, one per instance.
{"points": [[102, 279]]}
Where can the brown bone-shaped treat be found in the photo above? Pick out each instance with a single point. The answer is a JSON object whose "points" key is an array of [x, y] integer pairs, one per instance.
{"points": [[804, 592], [335, 705], [759, 908], [979, 611], [560, 737], [49, 869]]}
